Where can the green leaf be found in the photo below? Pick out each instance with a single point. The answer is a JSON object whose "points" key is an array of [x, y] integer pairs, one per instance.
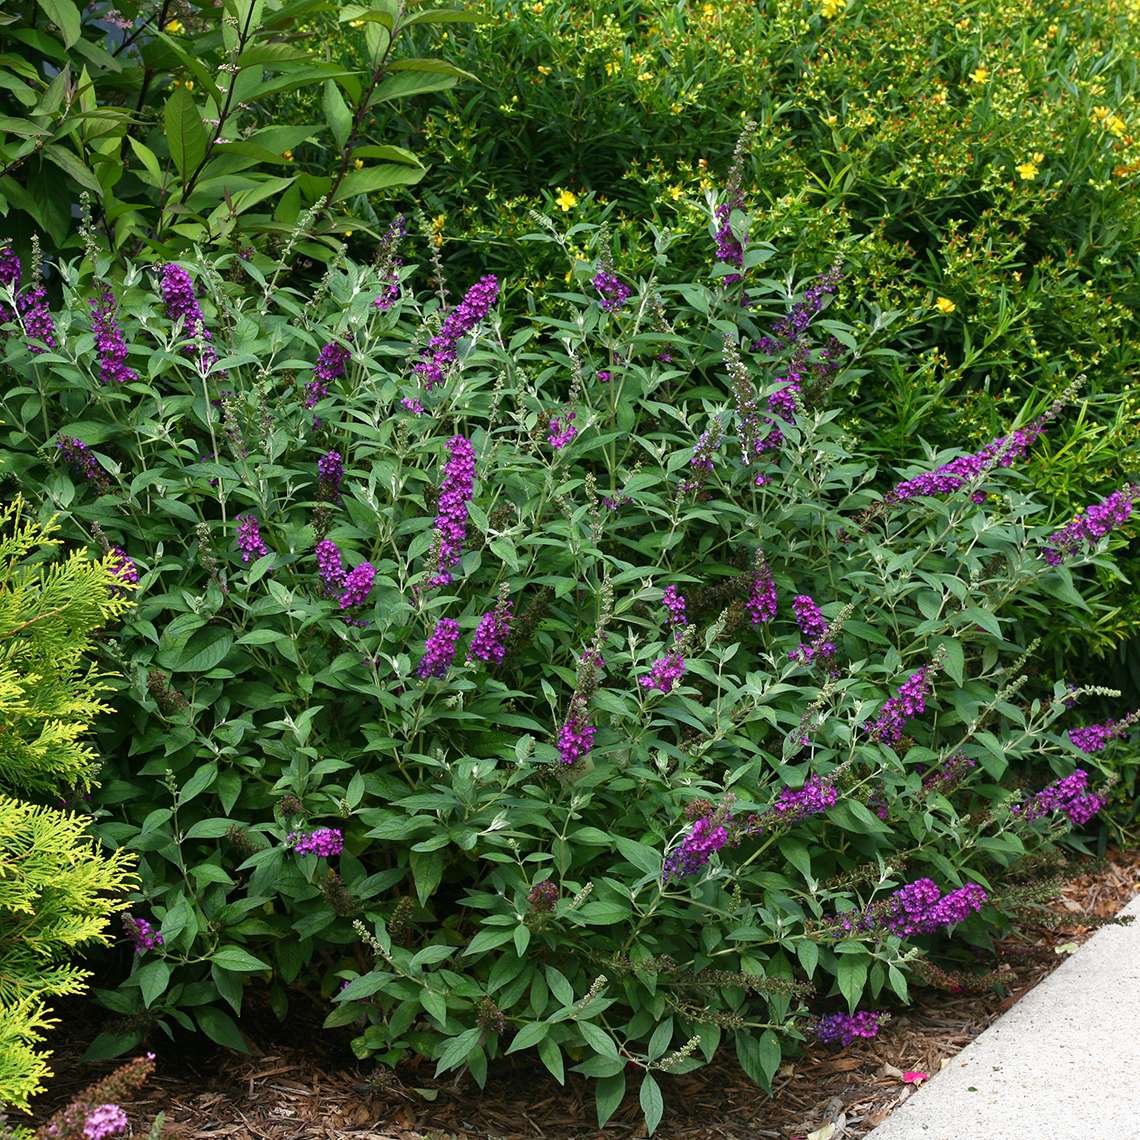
{"points": [[113, 1043], [220, 1028], [598, 1039], [185, 132], [551, 1057], [759, 1056], [199, 782], [454, 1052], [337, 114], [404, 83], [609, 1093], [206, 649], [488, 940], [530, 1034], [374, 178], [652, 1103], [851, 974], [71, 165], [646, 859], [65, 15], [152, 981], [235, 958]]}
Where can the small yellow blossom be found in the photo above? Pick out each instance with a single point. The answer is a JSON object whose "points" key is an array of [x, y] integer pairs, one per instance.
{"points": [[536, 8], [612, 68], [676, 108], [1031, 167], [1112, 123], [175, 27], [644, 76], [1051, 30], [437, 224], [567, 199], [831, 120], [675, 193], [939, 97], [358, 163], [543, 70], [945, 305], [287, 155], [348, 233], [356, 23], [829, 9], [708, 10], [980, 74], [963, 23]]}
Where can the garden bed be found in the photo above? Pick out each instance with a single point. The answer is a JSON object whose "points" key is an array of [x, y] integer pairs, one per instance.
{"points": [[289, 1093]]}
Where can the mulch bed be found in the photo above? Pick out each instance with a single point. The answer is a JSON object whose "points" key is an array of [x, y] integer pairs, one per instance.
{"points": [[298, 1092]]}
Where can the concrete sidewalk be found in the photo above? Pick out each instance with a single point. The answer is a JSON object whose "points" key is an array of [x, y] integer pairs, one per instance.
{"points": [[1062, 1064]]}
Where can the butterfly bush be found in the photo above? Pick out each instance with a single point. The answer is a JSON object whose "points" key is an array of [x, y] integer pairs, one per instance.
{"points": [[670, 742]]}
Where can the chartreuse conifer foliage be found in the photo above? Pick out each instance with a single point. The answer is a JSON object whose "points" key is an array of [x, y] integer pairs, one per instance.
{"points": [[57, 889]]}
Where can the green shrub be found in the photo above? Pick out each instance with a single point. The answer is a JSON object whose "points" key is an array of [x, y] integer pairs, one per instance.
{"points": [[347, 780], [57, 890]]}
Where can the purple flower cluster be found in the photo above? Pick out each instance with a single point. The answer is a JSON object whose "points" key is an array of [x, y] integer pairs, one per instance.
{"points": [[330, 473], [812, 625], [952, 773], [1001, 452], [814, 797], [705, 837], [181, 303], [1091, 525], [10, 268], [439, 650], [454, 494], [543, 896], [490, 640], [843, 1028], [909, 701], [665, 673], [143, 934], [1095, 737], [330, 566], [249, 538], [412, 405], [78, 456], [707, 446], [674, 605], [762, 601], [921, 908], [441, 349], [123, 569], [575, 739], [389, 263], [324, 842], [1069, 795], [562, 430], [357, 585], [612, 291], [38, 323], [787, 331], [106, 1120], [110, 344], [728, 247], [332, 361]]}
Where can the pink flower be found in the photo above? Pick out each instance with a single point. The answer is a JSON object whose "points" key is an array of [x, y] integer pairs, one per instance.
{"points": [[914, 1077]]}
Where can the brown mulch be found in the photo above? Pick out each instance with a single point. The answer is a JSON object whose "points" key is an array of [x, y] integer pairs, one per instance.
{"points": [[301, 1091]]}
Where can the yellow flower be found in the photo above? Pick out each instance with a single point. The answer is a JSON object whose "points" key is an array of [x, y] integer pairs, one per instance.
{"points": [[358, 163], [567, 200], [537, 8], [676, 108], [611, 68], [175, 27], [348, 233], [980, 74], [287, 155], [188, 84], [644, 76], [945, 305], [1114, 124], [437, 224], [939, 97], [1027, 171], [831, 120], [829, 9], [675, 193], [356, 23], [543, 70]]}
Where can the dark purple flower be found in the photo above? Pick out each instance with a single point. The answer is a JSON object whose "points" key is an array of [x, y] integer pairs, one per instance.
{"points": [[123, 569], [490, 640], [331, 363], [604, 376], [104, 1121], [1069, 795], [142, 933], [249, 538], [110, 345], [37, 319], [790, 329], [1091, 525], [439, 650], [705, 837], [1095, 737], [9, 268], [612, 291], [952, 773], [674, 605], [562, 431], [181, 303], [665, 673], [909, 701], [324, 842], [330, 566], [330, 473], [762, 601], [413, 406], [810, 619], [543, 896], [843, 1028], [80, 459], [440, 353], [357, 586], [729, 249], [575, 739], [454, 494], [795, 804]]}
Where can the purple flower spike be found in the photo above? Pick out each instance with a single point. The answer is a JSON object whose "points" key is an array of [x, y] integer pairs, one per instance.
{"points": [[455, 493], [143, 934], [762, 601], [909, 701], [665, 673], [330, 566], [181, 303], [110, 344], [249, 538], [357, 585], [489, 642], [104, 1121], [439, 650], [562, 431], [705, 837], [325, 842], [612, 292], [843, 1028], [575, 739], [1069, 795], [330, 473], [38, 323], [1091, 525], [332, 361], [441, 350]]}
